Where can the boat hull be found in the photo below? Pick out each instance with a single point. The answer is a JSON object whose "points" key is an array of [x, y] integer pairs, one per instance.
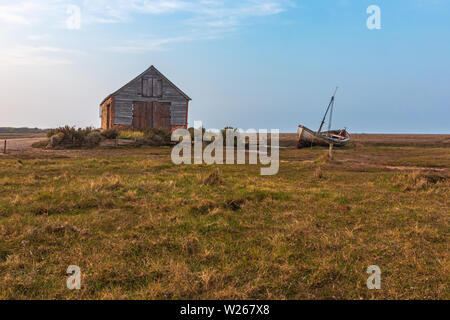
{"points": [[307, 137]]}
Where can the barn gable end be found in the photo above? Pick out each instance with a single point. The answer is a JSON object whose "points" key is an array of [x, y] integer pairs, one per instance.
{"points": [[149, 87]]}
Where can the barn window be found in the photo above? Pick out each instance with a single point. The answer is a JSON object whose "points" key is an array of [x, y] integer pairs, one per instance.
{"points": [[147, 87], [152, 87], [157, 87]]}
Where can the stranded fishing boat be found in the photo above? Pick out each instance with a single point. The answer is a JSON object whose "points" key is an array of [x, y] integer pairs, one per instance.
{"points": [[307, 137]]}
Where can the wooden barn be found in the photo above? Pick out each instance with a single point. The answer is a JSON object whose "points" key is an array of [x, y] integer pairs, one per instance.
{"points": [[148, 101]]}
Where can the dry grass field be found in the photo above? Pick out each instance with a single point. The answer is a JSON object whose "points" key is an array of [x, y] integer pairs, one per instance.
{"points": [[140, 227]]}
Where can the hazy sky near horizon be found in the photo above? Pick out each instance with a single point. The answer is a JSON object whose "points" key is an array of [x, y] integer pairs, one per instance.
{"points": [[248, 63]]}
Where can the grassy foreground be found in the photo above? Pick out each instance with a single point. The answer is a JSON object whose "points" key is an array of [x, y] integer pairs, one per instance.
{"points": [[140, 227]]}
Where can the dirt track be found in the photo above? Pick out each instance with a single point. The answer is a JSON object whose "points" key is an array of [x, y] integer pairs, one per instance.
{"points": [[24, 146], [18, 146]]}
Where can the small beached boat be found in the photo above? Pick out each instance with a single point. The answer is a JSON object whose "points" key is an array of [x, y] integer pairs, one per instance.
{"points": [[307, 137]]}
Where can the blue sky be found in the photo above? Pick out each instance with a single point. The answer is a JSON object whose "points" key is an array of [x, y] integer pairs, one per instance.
{"points": [[248, 64]]}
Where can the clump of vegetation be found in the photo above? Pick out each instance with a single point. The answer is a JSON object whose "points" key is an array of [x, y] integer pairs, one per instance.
{"points": [[224, 131], [213, 179], [193, 130], [203, 207], [70, 137], [69, 132], [319, 174], [92, 139], [234, 204], [131, 134], [224, 134], [157, 137], [418, 181], [111, 133]]}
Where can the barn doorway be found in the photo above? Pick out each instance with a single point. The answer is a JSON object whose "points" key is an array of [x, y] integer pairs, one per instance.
{"points": [[151, 115], [161, 115]]}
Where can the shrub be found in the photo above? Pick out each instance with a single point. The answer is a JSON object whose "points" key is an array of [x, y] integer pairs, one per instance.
{"points": [[157, 137], [235, 131], [70, 132], [56, 140], [224, 131], [70, 137], [192, 131], [93, 139], [111, 133]]}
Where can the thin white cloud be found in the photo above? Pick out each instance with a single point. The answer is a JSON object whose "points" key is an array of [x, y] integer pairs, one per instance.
{"points": [[158, 7], [28, 12], [221, 15], [9, 17], [145, 45], [205, 19], [117, 11], [36, 55], [198, 19]]}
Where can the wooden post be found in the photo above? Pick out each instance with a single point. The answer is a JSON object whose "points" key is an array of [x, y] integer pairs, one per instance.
{"points": [[331, 151], [4, 148]]}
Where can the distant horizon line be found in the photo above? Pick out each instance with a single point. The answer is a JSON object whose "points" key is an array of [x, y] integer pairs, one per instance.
{"points": [[281, 131]]}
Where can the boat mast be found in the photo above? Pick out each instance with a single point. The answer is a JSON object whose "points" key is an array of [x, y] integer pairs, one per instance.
{"points": [[331, 116], [329, 106]]}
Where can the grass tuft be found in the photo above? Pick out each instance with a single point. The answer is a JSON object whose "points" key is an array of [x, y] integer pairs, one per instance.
{"points": [[418, 180], [319, 174], [213, 179]]}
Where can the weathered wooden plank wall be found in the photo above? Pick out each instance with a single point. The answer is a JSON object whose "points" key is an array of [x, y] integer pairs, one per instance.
{"points": [[141, 90]]}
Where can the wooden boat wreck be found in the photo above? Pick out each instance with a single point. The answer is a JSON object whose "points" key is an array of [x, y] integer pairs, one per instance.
{"points": [[307, 137]]}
